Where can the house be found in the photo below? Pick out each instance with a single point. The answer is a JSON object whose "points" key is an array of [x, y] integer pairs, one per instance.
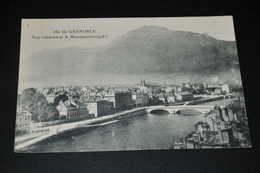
{"points": [[193, 140], [84, 89], [197, 86], [50, 97], [180, 88], [234, 128], [23, 122], [170, 98], [122, 100], [197, 139], [187, 85], [240, 114], [225, 88], [210, 137], [229, 113], [140, 99], [100, 107], [217, 89], [89, 97], [189, 141], [169, 89], [226, 135], [73, 111], [184, 96], [162, 98], [202, 126]]}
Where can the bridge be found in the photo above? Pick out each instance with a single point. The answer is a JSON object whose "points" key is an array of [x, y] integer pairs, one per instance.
{"points": [[177, 109]]}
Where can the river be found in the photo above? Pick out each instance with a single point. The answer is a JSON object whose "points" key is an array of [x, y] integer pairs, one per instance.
{"points": [[142, 132]]}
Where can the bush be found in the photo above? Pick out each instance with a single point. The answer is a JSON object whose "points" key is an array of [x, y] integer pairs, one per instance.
{"points": [[62, 117]]}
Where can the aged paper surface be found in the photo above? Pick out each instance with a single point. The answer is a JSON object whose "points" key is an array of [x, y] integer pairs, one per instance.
{"points": [[129, 84]]}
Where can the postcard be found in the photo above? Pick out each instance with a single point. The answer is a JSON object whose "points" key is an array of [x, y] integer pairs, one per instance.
{"points": [[116, 84]]}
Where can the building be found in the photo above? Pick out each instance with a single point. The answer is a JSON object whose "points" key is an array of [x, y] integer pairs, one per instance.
{"points": [[23, 122], [89, 97], [50, 97], [122, 100], [180, 88], [193, 140], [140, 99], [228, 112], [225, 88], [73, 111], [169, 89], [166, 98], [170, 98], [202, 126], [162, 98], [209, 137], [226, 135], [184, 96], [189, 141], [100, 107], [197, 139], [218, 89], [234, 128]]}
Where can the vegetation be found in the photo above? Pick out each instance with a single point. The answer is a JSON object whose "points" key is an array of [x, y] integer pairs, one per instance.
{"points": [[35, 102], [60, 97]]}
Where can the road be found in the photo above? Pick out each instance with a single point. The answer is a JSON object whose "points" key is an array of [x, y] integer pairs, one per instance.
{"points": [[32, 138]]}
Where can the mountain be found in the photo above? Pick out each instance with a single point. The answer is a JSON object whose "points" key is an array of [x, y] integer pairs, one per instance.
{"points": [[152, 52]]}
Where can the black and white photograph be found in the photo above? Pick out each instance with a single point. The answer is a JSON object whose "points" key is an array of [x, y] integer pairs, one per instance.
{"points": [[126, 84]]}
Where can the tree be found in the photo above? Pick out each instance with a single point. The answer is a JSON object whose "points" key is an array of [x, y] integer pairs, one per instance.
{"points": [[35, 103], [244, 130], [60, 97], [172, 91], [201, 89]]}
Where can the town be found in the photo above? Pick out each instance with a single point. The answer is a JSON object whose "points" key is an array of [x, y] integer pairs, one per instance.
{"points": [[41, 108], [228, 128]]}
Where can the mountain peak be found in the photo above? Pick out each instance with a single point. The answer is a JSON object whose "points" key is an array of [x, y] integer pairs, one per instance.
{"points": [[205, 34], [149, 50], [150, 29], [153, 28], [146, 32]]}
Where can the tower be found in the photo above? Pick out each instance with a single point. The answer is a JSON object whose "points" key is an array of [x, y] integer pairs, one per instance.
{"points": [[144, 84]]}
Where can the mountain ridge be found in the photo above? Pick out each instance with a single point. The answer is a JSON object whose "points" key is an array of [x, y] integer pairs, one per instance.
{"points": [[148, 51]]}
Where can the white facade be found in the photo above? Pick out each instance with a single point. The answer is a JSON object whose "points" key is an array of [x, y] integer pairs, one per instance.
{"points": [[73, 111], [225, 87], [23, 122]]}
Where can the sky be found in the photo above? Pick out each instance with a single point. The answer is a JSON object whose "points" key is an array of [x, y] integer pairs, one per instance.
{"points": [[35, 31], [219, 27]]}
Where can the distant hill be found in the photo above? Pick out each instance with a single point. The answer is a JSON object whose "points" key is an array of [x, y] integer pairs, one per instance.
{"points": [[155, 53]]}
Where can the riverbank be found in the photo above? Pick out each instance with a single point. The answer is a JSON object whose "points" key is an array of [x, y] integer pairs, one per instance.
{"points": [[59, 130], [66, 129], [201, 101]]}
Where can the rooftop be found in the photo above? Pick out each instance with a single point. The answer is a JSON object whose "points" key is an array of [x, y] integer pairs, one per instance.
{"points": [[210, 132], [94, 101], [23, 113], [184, 93]]}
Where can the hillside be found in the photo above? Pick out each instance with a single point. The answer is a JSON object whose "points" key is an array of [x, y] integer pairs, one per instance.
{"points": [[153, 52]]}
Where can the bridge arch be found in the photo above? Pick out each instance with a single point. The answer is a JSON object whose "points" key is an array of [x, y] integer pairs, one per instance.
{"points": [[188, 111], [159, 111]]}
